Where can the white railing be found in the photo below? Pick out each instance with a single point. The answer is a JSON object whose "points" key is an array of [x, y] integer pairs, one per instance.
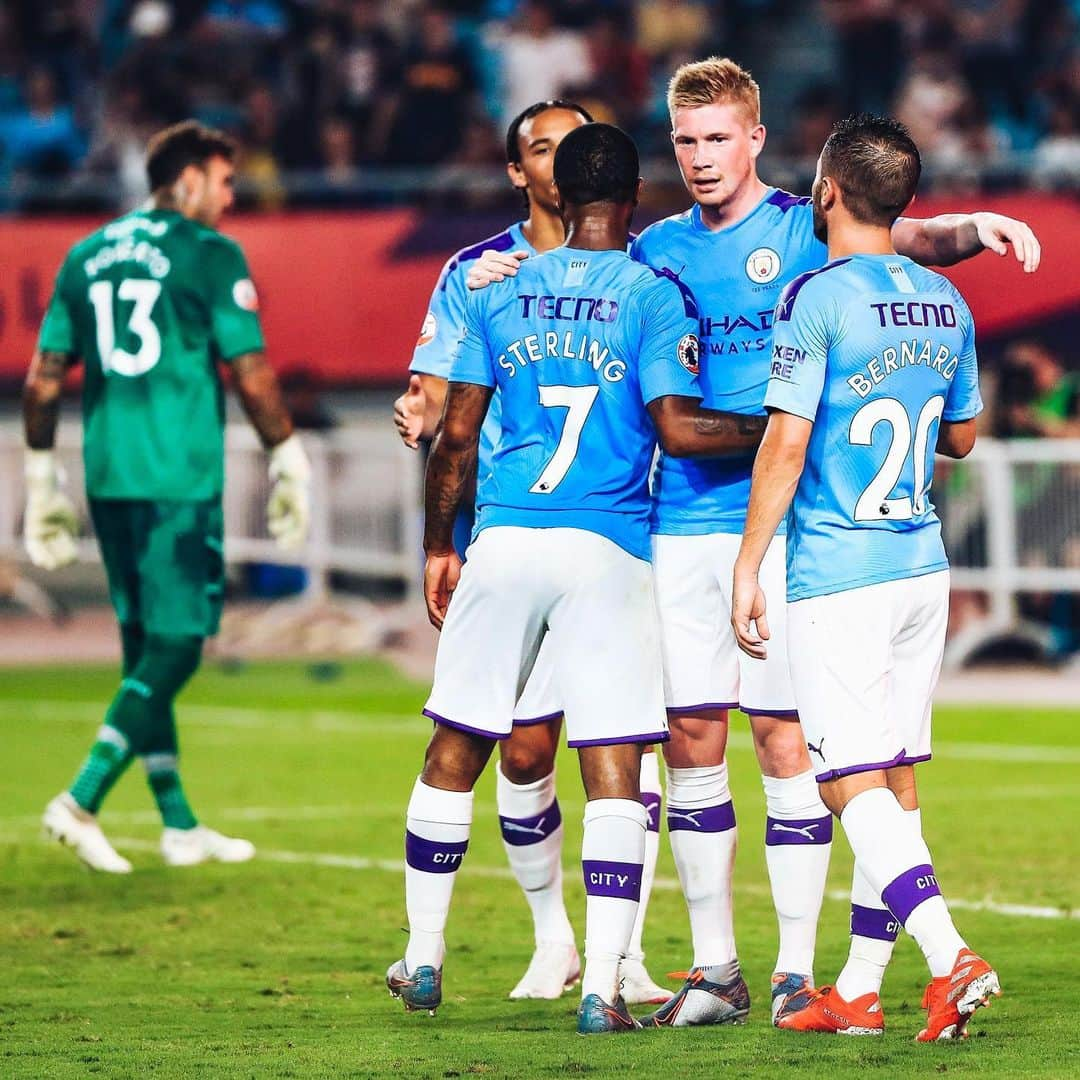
{"points": [[366, 497]]}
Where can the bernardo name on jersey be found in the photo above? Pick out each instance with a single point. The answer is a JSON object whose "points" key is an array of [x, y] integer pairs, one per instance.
{"points": [[876, 351]]}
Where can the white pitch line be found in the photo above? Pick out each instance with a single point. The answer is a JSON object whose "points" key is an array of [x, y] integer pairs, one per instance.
{"points": [[342, 721]]}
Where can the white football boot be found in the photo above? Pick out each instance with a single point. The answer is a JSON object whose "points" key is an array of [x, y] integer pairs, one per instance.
{"points": [[65, 820], [189, 847], [638, 987], [552, 969]]}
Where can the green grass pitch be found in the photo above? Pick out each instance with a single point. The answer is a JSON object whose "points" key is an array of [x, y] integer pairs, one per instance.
{"points": [[275, 969]]}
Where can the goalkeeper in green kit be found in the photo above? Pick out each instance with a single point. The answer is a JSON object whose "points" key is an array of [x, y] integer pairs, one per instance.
{"points": [[150, 304]]}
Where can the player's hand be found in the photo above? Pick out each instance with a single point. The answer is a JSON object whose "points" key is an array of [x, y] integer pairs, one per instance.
{"points": [[494, 266], [50, 524], [441, 574], [409, 412], [996, 232], [288, 512], [748, 615]]}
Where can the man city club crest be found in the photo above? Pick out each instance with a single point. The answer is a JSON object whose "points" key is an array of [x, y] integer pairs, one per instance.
{"points": [[688, 353], [762, 265]]}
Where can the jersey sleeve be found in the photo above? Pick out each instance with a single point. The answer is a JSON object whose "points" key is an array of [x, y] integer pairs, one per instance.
{"points": [[471, 361], [443, 323], [668, 360], [234, 304], [800, 347], [963, 400], [58, 327]]}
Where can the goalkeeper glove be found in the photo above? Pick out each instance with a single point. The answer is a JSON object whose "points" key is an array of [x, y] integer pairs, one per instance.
{"points": [[288, 513], [50, 524]]}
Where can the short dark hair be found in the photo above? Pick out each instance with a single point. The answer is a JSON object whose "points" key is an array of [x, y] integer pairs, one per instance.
{"points": [[597, 163], [513, 148], [877, 165], [171, 151]]}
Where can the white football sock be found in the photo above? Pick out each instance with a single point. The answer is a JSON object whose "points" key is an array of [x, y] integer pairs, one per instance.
{"points": [[532, 832], [897, 864], [798, 842], [873, 932], [701, 826], [651, 798], [612, 853], [436, 837]]}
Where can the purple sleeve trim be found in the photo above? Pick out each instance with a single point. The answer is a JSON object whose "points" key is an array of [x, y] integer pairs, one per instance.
{"points": [[851, 770], [725, 705], [655, 737], [464, 727], [530, 721], [780, 714]]}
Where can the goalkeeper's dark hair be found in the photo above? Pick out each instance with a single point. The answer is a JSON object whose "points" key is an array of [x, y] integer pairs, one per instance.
{"points": [[597, 163], [877, 165], [513, 147], [171, 151]]}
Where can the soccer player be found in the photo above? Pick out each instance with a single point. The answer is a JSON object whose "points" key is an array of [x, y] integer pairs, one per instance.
{"points": [[528, 808], [873, 367], [149, 303], [593, 355], [736, 248]]}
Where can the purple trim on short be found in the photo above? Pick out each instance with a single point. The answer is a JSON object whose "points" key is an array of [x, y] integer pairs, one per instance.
{"points": [[706, 819], [851, 770], [521, 832], [433, 856], [916, 760], [655, 737], [621, 880], [463, 727], [530, 721], [780, 714], [781, 831], [727, 705], [904, 894], [877, 923], [651, 801]]}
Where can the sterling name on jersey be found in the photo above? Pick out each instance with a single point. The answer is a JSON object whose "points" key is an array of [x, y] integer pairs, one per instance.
{"points": [[150, 303], [577, 345], [736, 275], [876, 351]]}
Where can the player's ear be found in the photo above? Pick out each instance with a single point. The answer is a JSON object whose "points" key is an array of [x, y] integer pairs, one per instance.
{"points": [[639, 189], [829, 193], [757, 139], [516, 174]]}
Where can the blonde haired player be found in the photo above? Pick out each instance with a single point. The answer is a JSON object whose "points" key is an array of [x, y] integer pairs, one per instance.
{"points": [[736, 248]]}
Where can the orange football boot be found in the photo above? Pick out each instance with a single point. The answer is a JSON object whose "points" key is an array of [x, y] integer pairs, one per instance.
{"points": [[829, 1013], [950, 999]]}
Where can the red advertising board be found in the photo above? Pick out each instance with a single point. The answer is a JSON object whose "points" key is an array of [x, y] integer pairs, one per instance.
{"points": [[345, 293]]}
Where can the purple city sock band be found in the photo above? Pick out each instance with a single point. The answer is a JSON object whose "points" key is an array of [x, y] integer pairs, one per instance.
{"points": [[621, 880], [706, 819], [433, 856], [873, 923], [904, 894], [651, 801], [520, 832], [816, 830]]}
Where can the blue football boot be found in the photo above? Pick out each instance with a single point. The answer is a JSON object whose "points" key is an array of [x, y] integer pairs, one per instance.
{"points": [[596, 1017], [422, 989], [791, 993], [704, 999]]}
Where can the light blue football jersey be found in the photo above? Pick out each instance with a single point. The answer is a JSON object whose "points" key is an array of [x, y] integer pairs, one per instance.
{"points": [[577, 345], [736, 275], [876, 351]]}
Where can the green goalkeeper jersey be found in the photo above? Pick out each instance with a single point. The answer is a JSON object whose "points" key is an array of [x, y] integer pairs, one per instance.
{"points": [[150, 303]]}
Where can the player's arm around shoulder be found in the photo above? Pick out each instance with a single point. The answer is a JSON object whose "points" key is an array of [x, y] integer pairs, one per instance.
{"points": [[951, 238]]}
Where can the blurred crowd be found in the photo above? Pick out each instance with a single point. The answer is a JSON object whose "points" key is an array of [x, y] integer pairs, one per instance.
{"points": [[323, 92]]}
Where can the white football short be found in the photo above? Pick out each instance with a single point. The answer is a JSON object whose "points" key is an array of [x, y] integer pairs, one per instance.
{"points": [[703, 665], [593, 607], [539, 701], [864, 664]]}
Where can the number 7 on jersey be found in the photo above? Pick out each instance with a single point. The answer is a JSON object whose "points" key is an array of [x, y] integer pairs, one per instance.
{"points": [[578, 401]]}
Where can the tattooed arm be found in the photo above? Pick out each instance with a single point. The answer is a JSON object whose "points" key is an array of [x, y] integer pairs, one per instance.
{"points": [[41, 397], [686, 429]]}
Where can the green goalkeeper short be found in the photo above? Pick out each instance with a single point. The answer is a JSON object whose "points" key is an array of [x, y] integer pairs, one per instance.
{"points": [[165, 562]]}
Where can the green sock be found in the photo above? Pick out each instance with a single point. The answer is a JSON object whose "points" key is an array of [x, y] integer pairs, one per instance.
{"points": [[104, 765], [162, 773]]}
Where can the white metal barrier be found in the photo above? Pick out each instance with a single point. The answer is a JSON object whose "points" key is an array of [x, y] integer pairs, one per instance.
{"points": [[366, 499]]}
